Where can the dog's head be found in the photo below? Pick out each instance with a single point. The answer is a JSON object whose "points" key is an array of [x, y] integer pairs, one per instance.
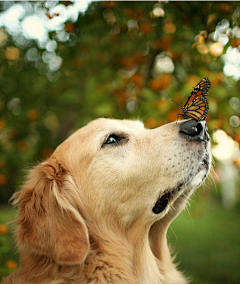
{"points": [[110, 173]]}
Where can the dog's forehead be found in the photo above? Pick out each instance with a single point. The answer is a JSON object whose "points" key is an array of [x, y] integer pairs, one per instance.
{"points": [[98, 128], [104, 124]]}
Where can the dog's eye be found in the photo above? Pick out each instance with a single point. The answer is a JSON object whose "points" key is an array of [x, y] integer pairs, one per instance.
{"points": [[112, 139], [115, 139]]}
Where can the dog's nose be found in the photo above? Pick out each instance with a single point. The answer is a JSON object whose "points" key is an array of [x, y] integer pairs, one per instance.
{"points": [[194, 130]]}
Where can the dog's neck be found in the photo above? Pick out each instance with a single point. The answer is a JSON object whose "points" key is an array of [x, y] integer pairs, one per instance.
{"points": [[134, 264], [139, 262]]}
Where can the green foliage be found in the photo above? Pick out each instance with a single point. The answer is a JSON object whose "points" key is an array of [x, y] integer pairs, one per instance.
{"points": [[5, 248], [8, 256]]}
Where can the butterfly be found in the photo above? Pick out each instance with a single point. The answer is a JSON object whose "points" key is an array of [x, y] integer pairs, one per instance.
{"points": [[196, 106]]}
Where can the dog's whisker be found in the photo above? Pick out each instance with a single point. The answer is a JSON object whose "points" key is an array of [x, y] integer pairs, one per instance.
{"points": [[175, 235], [188, 212]]}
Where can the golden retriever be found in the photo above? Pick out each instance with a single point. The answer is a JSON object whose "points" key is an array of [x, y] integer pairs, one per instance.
{"points": [[98, 210]]}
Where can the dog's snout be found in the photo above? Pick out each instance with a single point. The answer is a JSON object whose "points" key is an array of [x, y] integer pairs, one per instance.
{"points": [[194, 130]]}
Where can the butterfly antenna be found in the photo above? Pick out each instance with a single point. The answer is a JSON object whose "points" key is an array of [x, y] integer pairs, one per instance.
{"points": [[176, 103]]}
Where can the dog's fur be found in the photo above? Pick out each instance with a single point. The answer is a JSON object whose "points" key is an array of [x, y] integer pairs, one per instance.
{"points": [[86, 213]]}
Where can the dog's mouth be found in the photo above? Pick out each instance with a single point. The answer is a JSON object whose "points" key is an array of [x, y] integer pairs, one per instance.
{"points": [[169, 195], [163, 201]]}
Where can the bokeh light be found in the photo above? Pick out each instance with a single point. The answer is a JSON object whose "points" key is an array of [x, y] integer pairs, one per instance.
{"points": [[216, 49], [158, 11], [234, 121], [234, 102], [225, 147], [39, 19], [163, 64], [231, 61]]}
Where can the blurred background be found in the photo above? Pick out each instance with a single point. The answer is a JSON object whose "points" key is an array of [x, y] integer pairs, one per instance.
{"points": [[65, 63]]}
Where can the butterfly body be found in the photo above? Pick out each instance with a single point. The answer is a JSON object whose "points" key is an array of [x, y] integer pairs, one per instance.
{"points": [[196, 106]]}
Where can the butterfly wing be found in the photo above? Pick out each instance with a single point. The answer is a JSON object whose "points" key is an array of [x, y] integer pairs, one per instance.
{"points": [[201, 90], [197, 109], [196, 106]]}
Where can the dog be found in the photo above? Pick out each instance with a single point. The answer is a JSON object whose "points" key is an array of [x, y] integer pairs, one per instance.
{"points": [[98, 210]]}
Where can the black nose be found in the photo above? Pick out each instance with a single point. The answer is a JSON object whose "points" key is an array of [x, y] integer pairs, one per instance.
{"points": [[194, 130]]}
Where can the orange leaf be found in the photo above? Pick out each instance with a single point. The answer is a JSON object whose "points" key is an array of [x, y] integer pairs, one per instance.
{"points": [[161, 82], [3, 229], [11, 264], [33, 114], [3, 179]]}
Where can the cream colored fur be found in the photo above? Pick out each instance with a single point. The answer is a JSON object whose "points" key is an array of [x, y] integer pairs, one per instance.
{"points": [[85, 214]]}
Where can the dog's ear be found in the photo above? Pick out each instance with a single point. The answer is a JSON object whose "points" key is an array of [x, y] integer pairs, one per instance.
{"points": [[50, 223]]}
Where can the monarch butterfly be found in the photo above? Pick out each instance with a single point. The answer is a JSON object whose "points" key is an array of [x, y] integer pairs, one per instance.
{"points": [[196, 106]]}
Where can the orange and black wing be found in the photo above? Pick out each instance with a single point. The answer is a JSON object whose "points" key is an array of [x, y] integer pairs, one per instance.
{"points": [[201, 90], [196, 109], [196, 106]]}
